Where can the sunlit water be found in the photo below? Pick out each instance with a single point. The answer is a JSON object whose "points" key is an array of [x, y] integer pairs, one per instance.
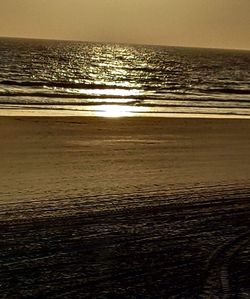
{"points": [[122, 80]]}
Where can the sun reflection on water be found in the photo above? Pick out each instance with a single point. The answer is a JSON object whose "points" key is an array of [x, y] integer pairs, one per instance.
{"points": [[116, 111], [110, 92]]}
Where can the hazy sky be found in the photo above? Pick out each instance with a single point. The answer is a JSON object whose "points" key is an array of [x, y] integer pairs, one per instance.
{"points": [[205, 23]]}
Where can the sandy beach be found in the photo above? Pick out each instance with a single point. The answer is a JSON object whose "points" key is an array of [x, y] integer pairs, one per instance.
{"points": [[124, 207]]}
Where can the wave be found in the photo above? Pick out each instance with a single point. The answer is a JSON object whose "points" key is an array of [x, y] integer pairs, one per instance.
{"points": [[32, 96], [136, 103], [65, 95], [72, 85], [156, 89], [152, 112], [229, 90]]}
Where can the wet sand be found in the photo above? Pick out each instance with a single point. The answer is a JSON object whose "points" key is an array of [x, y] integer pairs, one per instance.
{"points": [[124, 208]]}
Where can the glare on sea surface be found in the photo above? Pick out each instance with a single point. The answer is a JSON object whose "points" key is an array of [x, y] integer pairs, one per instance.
{"points": [[110, 92], [116, 111]]}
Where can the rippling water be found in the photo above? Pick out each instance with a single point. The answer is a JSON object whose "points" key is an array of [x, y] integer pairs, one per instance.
{"points": [[114, 79]]}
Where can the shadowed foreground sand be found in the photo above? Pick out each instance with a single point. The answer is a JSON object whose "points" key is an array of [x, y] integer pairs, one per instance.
{"points": [[124, 208]]}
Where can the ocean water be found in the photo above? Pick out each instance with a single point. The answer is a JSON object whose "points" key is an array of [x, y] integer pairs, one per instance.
{"points": [[114, 79]]}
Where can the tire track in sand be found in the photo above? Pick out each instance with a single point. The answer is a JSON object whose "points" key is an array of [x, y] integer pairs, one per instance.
{"points": [[217, 281]]}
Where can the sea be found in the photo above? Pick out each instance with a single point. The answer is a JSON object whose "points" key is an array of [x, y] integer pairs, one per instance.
{"points": [[85, 78]]}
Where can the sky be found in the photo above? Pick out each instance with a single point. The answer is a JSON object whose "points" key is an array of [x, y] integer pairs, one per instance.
{"points": [[201, 23]]}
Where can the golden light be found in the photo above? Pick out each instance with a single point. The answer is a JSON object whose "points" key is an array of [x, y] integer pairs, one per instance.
{"points": [[116, 111], [110, 92]]}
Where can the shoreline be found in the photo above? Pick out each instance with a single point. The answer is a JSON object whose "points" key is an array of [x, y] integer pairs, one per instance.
{"points": [[103, 114]]}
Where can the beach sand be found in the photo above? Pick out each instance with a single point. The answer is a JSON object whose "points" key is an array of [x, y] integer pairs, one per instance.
{"points": [[124, 207]]}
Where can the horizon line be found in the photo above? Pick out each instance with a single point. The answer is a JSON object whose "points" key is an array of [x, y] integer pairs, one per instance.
{"points": [[122, 43]]}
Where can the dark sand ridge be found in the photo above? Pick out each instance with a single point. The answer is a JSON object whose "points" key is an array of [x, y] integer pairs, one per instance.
{"points": [[124, 208]]}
